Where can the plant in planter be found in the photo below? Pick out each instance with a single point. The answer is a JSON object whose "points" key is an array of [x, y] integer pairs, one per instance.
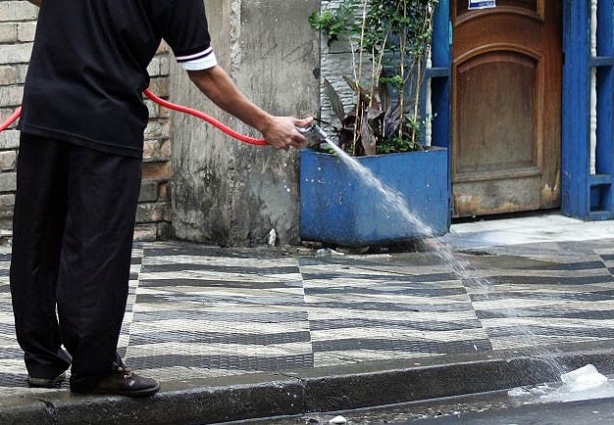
{"points": [[390, 41], [393, 36]]}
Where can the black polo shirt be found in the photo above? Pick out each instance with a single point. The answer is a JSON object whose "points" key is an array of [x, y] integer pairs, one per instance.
{"points": [[89, 67]]}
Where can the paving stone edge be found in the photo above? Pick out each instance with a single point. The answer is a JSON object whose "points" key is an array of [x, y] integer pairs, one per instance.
{"points": [[206, 401]]}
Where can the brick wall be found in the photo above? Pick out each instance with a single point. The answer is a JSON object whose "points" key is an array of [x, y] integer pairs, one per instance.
{"points": [[17, 26], [154, 210]]}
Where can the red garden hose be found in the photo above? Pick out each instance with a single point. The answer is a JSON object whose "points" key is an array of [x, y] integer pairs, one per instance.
{"points": [[175, 107], [205, 117], [10, 119]]}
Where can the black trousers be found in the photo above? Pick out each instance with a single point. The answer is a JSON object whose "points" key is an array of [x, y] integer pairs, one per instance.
{"points": [[72, 239]]}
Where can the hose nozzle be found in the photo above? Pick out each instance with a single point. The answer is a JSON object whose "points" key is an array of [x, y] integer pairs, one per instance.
{"points": [[315, 136]]}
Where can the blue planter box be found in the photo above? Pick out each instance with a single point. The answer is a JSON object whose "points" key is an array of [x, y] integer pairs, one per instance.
{"points": [[338, 208]]}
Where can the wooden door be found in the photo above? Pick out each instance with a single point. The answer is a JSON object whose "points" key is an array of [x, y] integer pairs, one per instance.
{"points": [[506, 103]]}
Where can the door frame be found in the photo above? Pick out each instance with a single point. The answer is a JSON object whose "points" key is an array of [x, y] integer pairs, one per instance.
{"points": [[583, 195]]}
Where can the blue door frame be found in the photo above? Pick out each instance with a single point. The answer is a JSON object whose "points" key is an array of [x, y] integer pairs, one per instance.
{"points": [[583, 195], [440, 76]]}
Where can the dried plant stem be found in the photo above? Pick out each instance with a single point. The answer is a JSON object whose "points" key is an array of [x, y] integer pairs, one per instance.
{"points": [[414, 130], [374, 79], [359, 106], [354, 65], [402, 51]]}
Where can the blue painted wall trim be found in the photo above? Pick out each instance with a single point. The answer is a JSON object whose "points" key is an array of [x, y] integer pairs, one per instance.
{"points": [[440, 84], [602, 199], [586, 196], [575, 196]]}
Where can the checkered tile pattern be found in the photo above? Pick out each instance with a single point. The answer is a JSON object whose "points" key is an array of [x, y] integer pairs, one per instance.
{"points": [[197, 312]]}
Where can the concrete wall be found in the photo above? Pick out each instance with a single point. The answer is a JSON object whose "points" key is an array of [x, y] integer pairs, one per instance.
{"points": [[17, 26], [226, 192]]}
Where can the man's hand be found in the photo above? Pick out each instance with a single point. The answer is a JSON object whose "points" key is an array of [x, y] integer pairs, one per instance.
{"points": [[280, 132]]}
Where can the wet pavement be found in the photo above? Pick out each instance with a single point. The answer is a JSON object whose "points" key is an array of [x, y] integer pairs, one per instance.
{"points": [[203, 319]]}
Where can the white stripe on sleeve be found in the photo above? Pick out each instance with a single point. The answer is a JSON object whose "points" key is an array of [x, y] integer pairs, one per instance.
{"points": [[207, 62], [198, 55]]}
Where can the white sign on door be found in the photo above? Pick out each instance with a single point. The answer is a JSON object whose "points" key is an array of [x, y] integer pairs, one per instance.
{"points": [[482, 4]]}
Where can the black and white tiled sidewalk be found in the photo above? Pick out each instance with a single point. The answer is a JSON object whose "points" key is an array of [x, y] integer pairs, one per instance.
{"points": [[197, 312]]}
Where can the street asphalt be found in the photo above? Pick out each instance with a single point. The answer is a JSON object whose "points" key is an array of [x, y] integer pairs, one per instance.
{"points": [[234, 334]]}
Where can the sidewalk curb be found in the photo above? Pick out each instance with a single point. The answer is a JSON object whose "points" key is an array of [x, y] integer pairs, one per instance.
{"points": [[313, 390]]}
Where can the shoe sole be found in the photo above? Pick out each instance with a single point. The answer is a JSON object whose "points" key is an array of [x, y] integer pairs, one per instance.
{"points": [[131, 393], [46, 382]]}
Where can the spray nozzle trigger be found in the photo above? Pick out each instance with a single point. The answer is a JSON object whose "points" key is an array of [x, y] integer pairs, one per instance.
{"points": [[314, 134]]}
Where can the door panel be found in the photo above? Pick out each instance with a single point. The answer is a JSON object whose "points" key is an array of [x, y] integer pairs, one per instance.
{"points": [[499, 84], [507, 72]]}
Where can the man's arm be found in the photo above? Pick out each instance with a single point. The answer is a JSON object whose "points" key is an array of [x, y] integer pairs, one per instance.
{"points": [[36, 2], [279, 132]]}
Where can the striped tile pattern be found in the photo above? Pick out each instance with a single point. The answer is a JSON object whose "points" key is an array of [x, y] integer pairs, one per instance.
{"points": [[198, 312], [532, 302], [366, 311]]}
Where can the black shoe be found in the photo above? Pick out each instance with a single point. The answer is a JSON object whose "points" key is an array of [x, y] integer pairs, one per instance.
{"points": [[46, 382], [121, 382]]}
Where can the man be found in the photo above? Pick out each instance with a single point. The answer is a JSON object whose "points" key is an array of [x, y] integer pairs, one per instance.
{"points": [[79, 173]]}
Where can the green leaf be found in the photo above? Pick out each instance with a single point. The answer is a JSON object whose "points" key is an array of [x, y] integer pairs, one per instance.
{"points": [[335, 101]]}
